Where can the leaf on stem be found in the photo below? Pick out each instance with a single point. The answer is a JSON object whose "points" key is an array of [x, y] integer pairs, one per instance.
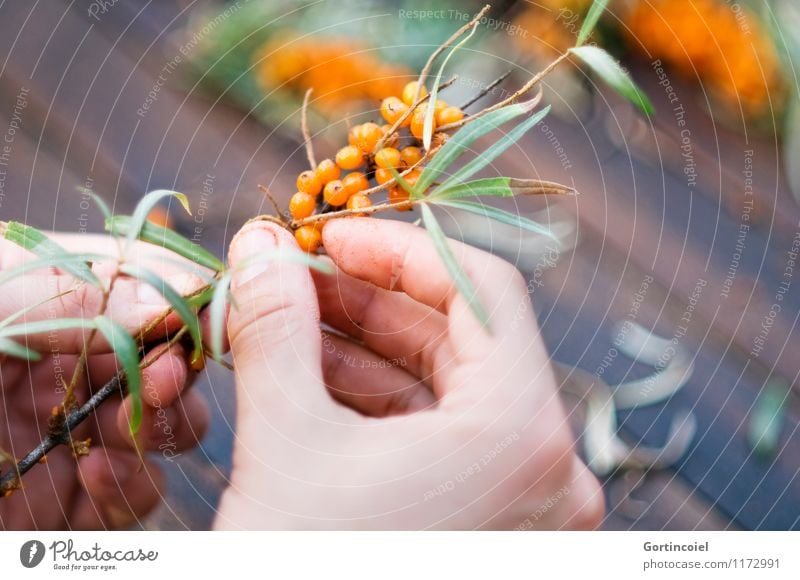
{"points": [[49, 325], [186, 313], [15, 349], [498, 215], [595, 11], [608, 69], [128, 355], [146, 205], [36, 242], [216, 311], [430, 112], [460, 278], [459, 143], [500, 187], [166, 238], [98, 201], [55, 260], [497, 149]]}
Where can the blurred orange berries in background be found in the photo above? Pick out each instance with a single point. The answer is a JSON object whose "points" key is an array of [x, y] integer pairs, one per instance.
{"points": [[339, 70], [723, 45]]}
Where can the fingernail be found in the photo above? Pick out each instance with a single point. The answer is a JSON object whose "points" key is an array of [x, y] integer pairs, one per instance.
{"points": [[250, 244]]}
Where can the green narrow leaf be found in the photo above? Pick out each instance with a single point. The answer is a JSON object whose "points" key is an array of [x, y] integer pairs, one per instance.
{"points": [[216, 311], [595, 11], [198, 301], [128, 355], [36, 242], [497, 149], [460, 141], [178, 303], [460, 278], [166, 238], [49, 325], [401, 181], [766, 420], [15, 349], [98, 201], [146, 205], [498, 215], [55, 260], [500, 187], [608, 69], [427, 127]]}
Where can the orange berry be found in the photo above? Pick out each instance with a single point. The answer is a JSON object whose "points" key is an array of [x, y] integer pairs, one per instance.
{"points": [[358, 201], [354, 182], [302, 205], [439, 106], [308, 237], [307, 182], [335, 193], [412, 176], [365, 136], [418, 123], [449, 115], [409, 90], [411, 155], [382, 175], [387, 157], [349, 157], [392, 109], [327, 171], [396, 195]]}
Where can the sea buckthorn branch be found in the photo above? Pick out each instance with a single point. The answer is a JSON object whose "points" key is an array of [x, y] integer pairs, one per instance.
{"points": [[486, 90], [12, 480]]}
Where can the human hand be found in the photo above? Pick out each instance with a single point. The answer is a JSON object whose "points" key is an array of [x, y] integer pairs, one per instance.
{"points": [[107, 488], [466, 432]]}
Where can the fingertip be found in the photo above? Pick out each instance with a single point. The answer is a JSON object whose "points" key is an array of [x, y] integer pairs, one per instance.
{"points": [[165, 379]]}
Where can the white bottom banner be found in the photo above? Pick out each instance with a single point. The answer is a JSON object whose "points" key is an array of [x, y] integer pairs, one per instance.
{"points": [[379, 555]]}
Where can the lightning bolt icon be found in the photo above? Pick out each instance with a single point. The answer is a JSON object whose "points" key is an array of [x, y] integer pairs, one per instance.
{"points": [[34, 549]]}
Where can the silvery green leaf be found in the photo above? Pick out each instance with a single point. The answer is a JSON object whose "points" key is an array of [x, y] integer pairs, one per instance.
{"points": [[497, 149], [460, 278], [595, 11], [500, 187], [36, 242], [15, 349], [608, 69], [497, 215], [146, 205], [127, 353]]}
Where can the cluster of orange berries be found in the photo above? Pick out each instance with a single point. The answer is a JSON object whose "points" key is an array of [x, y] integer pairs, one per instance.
{"points": [[326, 182]]}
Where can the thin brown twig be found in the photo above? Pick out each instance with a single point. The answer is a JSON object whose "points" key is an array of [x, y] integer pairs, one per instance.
{"points": [[312, 161], [272, 200], [353, 212], [486, 90], [521, 91], [423, 75], [13, 479]]}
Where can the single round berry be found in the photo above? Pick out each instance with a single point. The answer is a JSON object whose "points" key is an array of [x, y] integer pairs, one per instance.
{"points": [[412, 176], [409, 90], [398, 195], [449, 115], [335, 193], [358, 201], [349, 157], [307, 182], [308, 237], [387, 157], [392, 109], [418, 123], [302, 205], [327, 171], [365, 136], [382, 175], [354, 182], [411, 156], [439, 106]]}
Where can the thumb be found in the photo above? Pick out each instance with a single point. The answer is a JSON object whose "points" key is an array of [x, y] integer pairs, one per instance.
{"points": [[273, 325]]}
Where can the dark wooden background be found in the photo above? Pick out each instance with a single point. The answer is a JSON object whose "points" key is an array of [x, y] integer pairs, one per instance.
{"points": [[636, 217]]}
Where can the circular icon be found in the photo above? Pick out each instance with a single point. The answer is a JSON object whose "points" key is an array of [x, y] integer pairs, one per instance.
{"points": [[31, 553]]}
